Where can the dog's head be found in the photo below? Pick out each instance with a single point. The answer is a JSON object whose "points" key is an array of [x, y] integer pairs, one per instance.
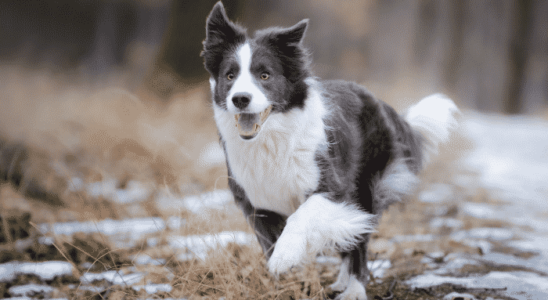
{"points": [[252, 78]]}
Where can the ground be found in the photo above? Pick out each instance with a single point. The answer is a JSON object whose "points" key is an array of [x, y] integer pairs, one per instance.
{"points": [[107, 194]]}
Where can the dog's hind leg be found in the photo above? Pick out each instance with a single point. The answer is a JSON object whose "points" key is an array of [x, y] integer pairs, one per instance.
{"points": [[344, 276], [355, 273]]}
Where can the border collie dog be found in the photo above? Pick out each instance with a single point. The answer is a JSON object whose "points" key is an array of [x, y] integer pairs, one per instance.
{"points": [[311, 163]]}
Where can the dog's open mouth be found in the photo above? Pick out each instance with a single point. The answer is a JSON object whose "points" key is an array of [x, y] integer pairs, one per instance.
{"points": [[249, 125]]}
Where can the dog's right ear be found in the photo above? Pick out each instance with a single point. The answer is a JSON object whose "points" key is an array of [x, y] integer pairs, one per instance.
{"points": [[219, 29], [221, 35]]}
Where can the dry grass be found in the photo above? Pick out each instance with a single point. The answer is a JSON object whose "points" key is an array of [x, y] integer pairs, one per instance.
{"points": [[70, 129]]}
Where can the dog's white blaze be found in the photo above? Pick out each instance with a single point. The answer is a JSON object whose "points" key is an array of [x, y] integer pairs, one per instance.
{"points": [[277, 168], [319, 224], [245, 82]]}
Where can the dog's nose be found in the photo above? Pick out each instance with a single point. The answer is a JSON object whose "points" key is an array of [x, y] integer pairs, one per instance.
{"points": [[241, 100]]}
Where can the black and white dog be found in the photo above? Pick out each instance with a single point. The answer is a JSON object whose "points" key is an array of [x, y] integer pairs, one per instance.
{"points": [[311, 163]]}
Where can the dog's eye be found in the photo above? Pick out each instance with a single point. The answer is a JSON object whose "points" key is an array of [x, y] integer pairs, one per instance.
{"points": [[265, 76], [230, 76]]}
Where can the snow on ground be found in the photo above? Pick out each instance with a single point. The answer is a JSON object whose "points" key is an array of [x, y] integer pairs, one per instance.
{"points": [[211, 155], [126, 232], [517, 284], [47, 270], [198, 246], [134, 191], [153, 288], [30, 290], [197, 203], [510, 161], [113, 277]]}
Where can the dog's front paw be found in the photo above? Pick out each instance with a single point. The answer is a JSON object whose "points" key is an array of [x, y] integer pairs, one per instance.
{"points": [[290, 251]]}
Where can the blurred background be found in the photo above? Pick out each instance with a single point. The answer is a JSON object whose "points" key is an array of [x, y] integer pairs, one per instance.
{"points": [[490, 55], [98, 89], [115, 91], [106, 123]]}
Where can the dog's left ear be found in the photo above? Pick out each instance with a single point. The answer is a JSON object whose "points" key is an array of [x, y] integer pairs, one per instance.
{"points": [[293, 35]]}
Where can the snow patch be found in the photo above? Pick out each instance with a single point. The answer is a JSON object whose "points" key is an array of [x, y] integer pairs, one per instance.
{"points": [[153, 288], [126, 232], [436, 193], [495, 234], [478, 210], [197, 203], [413, 238], [113, 277], [445, 222], [134, 191], [47, 270], [211, 155], [198, 246], [379, 267], [519, 285]]}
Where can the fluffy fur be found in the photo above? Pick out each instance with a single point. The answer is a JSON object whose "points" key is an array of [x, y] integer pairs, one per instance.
{"points": [[324, 159]]}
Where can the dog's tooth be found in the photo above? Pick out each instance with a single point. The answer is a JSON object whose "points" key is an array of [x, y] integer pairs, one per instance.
{"points": [[264, 114], [256, 128]]}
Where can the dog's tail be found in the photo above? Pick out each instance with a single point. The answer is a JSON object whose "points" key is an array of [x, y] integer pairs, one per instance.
{"points": [[434, 117]]}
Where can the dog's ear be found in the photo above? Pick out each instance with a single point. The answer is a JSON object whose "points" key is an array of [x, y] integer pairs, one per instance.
{"points": [[219, 29], [293, 35], [221, 34]]}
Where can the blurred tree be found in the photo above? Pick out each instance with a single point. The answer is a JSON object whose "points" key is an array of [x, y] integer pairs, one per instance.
{"points": [[490, 55], [57, 32], [67, 34], [182, 43], [519, 44]]}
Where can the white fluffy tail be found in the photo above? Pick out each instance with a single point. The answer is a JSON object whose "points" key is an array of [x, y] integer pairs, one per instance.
{"points": [[434, 117]]}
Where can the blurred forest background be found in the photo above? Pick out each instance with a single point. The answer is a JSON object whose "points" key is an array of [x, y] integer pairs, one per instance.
{"points": [[488, 55]]}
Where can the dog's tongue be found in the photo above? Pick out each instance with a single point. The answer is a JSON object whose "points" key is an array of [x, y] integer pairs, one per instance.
{"points": [[248, 125]]}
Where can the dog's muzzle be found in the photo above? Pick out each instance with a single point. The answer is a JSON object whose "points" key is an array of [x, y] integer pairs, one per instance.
{"points": [[249, 125]]}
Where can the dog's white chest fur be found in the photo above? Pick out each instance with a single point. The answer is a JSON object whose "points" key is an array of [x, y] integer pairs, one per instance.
{"points": [[277, 168]]}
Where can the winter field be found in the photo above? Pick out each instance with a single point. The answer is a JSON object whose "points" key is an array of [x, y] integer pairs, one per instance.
{"points": [[107, 194]]}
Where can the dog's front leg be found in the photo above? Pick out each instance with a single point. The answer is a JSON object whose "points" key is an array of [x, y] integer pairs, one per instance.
{"points": [[267, 225], [317, 224]]}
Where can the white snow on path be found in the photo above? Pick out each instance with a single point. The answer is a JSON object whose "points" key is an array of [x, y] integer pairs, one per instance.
{"points": [[125, 233], [211, 155], [520, 285], [31, 290], [113, 277], [510, 160], [511, 157], [153, 288], [134, 191], [198, 246], [47, 270], [197, 204]]}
